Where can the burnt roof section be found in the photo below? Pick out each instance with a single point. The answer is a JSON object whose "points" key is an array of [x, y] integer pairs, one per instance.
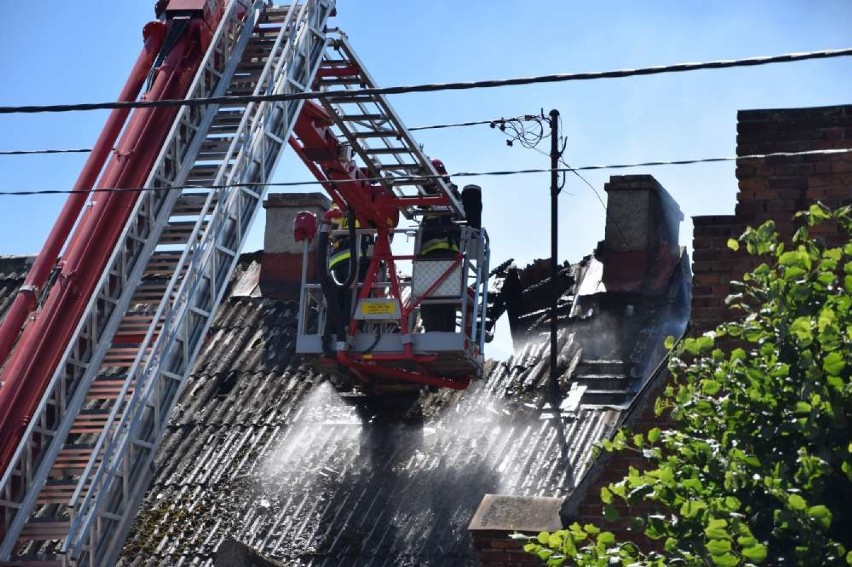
{"points": [[263, 451], [13, 270]]}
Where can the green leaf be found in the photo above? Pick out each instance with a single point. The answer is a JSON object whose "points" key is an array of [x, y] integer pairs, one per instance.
{"points": [[718, 546], [746, 541], [610, 513], [817, 213], [802, 329], [716, 529], [691, 508], [733, 244], [796, 502], [606, 495], [822, 514], [803, 408], [732, 503], [755, 553], [795, 259], [555, 541], [834, 363], [654, 435], [705, 343], [725, 560], [543, 538], [711, 387]]}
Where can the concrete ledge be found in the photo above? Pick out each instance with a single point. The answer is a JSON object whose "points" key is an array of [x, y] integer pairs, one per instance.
{"points": [[517, 513]]}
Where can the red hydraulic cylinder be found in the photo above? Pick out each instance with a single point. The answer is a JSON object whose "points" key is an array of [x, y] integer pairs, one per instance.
{"points": [[25, 301], [42, 343]]}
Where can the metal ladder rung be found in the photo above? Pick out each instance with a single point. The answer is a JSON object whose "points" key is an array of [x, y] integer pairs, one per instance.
{"points": [[341, 97], [39, 529], [162, 263], [199, 311], [386, 151], [177, 232], [333, 81], [90, 421], [378, 134], [120, 357], [150, 291], [57, 492], [275, 16], [73, 457], [205, 170], [216, 144], [134, 323], [190, 204], [242, 90], [364, 118], [106, 389], [228, 117], [401, 167]]}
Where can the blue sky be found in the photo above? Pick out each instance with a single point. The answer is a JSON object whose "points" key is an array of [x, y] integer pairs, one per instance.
{"points": [[81, 51]]}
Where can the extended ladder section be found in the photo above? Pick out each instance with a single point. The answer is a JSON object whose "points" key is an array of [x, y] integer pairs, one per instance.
{"points": [[86, 458], [376, 134], [388, 342]]}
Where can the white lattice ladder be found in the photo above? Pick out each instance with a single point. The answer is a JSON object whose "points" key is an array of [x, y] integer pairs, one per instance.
{"points": [[374, 130]]}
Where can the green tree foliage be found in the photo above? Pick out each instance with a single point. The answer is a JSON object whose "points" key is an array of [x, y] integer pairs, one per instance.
{"points": [[757, 468]]}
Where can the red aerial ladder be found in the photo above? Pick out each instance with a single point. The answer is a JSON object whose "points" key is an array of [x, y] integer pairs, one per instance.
{"points": [[96, 347], [381, 342]]}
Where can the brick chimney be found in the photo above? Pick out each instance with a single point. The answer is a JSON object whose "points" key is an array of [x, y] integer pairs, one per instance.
{"points": [[641, 243], [281, 270]]}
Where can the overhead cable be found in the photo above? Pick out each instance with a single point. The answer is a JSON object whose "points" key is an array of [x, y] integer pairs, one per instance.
{"points": [[333, 96], [40, 152], [416, 178], [454, 125], [86, 150]]}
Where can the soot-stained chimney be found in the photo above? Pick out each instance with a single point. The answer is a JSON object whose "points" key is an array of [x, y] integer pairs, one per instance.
{"points": [[281, 270], [642, 224]]}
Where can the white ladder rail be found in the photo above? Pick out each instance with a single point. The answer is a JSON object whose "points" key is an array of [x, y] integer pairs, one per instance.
{"points": [[207, 274]]}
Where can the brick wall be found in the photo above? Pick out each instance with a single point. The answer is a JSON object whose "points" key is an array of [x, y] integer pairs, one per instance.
{"points": [[774, 188]]}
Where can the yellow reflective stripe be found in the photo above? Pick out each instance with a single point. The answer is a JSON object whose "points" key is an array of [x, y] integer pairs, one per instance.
{"points": [[441, 245], [335, 259]]}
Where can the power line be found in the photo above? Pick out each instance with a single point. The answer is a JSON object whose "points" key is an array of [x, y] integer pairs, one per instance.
{"points": [[456, 175], [454, 86], [454, 125], [41, 152], [86, 150]]}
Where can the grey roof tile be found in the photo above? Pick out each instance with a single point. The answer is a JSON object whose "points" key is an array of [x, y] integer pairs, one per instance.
{"points": [[263, 451], [13, 271]]}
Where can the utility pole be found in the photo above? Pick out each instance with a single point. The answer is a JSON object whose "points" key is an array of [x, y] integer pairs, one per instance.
{"points": [[554, 264]]}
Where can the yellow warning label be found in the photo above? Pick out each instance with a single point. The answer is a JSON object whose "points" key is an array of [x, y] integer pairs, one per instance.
{"points": [[378, 307]]}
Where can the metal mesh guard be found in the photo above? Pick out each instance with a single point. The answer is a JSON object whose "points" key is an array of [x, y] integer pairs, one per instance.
{"points": [[427, 272]]}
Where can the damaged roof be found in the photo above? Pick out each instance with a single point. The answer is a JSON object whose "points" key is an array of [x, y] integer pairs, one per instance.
{"points": [[263, 451], [13, 270]]}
